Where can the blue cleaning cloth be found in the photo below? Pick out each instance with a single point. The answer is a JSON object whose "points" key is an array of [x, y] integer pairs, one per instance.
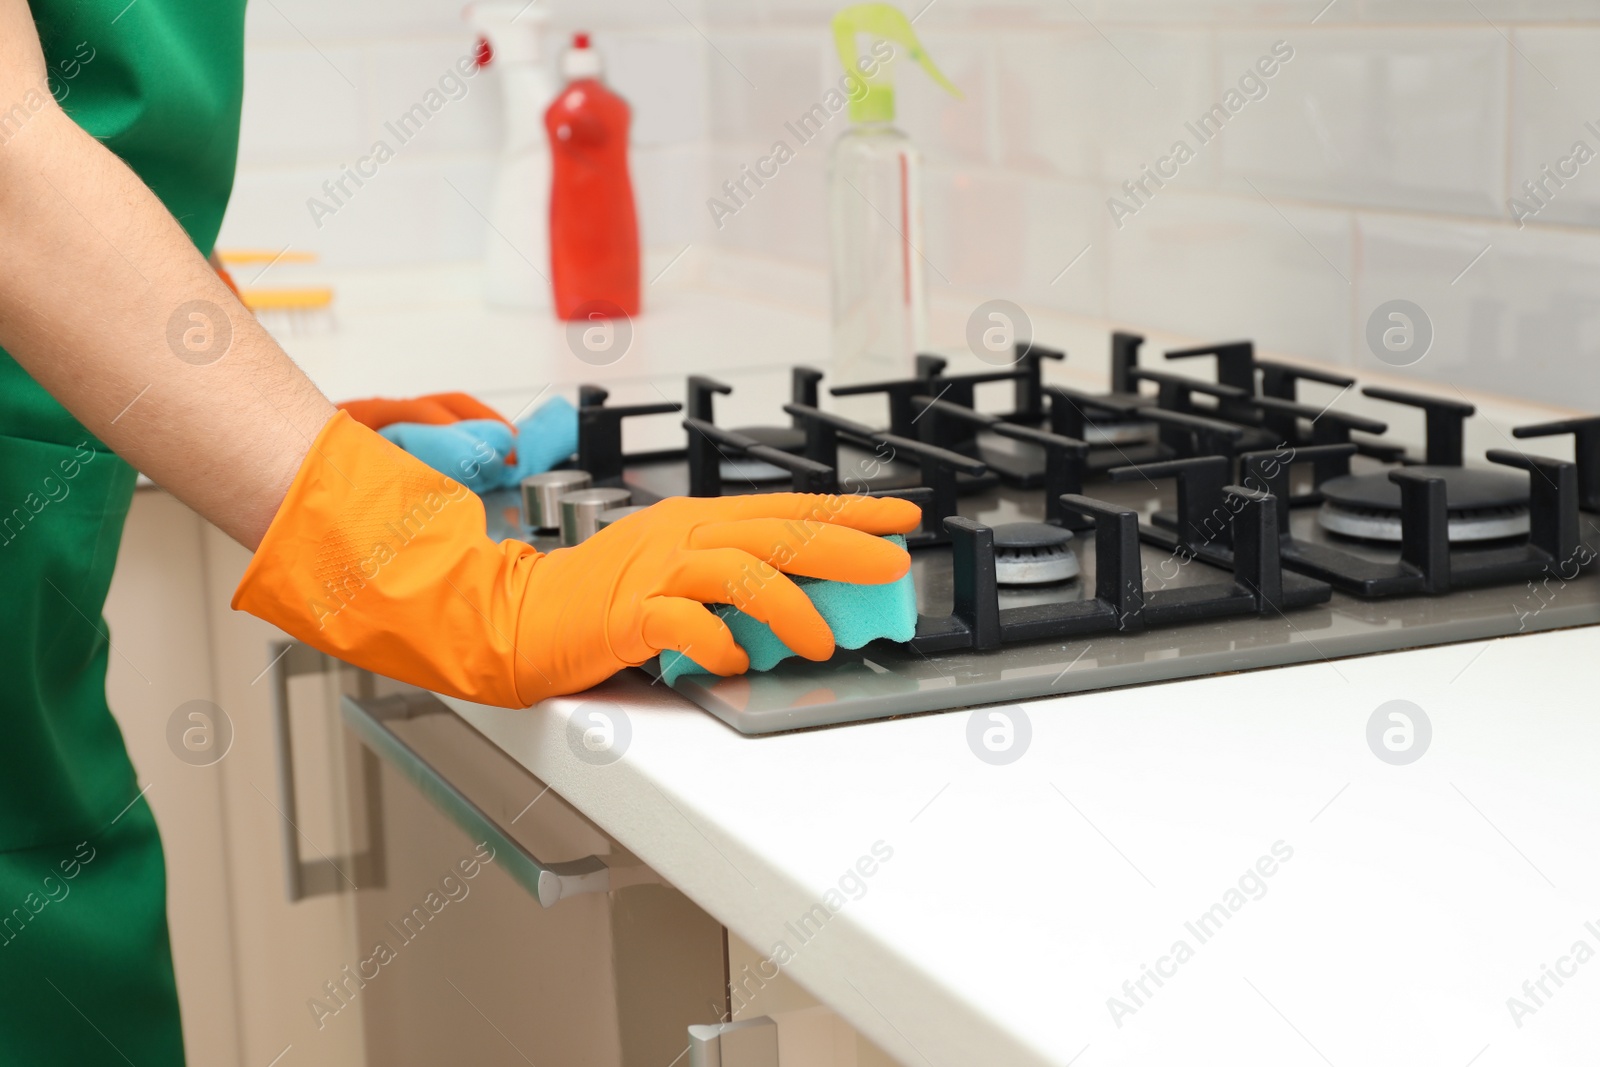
{"points": [[474, 451], [857, 614], [545, 438]]}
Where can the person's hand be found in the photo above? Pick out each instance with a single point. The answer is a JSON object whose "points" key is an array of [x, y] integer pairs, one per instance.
{"points": [[475, 452], [435, 409], [641, 584], [380, 561]]}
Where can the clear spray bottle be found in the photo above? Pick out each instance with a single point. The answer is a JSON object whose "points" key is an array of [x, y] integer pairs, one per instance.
{"points": [[879, 299]]}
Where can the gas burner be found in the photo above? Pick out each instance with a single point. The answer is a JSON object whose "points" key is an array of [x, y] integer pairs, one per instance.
{"points": [[783, 438], [1033, 553], [1483, 505]]}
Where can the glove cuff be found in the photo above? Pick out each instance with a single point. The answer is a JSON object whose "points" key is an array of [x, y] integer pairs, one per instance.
{"points": [[379, 560]]}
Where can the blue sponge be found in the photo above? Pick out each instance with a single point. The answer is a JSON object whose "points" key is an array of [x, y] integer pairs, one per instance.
{"points": [[472, 451], [857, 614], [545, 438]]}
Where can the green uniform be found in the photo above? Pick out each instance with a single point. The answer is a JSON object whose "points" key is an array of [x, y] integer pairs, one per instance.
{"points": [[85, 965]]}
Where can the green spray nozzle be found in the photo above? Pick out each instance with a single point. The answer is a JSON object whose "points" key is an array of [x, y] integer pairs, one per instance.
{"points": [[885, 22]]}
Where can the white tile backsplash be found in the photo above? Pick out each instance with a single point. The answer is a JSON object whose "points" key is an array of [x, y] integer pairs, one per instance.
{"points": [[298, 107], [1377, 166], [1475, 12], [1226, 267], [414, 211], [670, 186], [1524, 320], [1555, 106], [1405, 119], [1226, 12], [320, 24], [1063, 257], [627, 14], [946, 128], [786, 218], [998, 235], [1048, 83], [760, 81], [662, 75], [400, 75], [1152, 84]]}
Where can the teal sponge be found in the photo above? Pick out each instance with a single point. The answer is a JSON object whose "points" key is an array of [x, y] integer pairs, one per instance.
{"points": [[857, 614]]}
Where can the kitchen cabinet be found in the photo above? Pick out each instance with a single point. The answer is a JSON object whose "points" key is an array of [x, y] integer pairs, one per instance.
{"points": [[473, 968], [637, 966]]}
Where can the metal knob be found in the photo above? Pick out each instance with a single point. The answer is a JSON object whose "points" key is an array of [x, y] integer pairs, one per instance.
{"points": [[611, 515], [542, 493], [580, 511]]}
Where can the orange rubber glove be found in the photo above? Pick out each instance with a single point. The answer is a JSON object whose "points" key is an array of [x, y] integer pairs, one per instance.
{"points": [[435, 409], [377, 559]]}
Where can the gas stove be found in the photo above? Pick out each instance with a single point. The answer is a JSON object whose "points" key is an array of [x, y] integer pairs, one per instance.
{"points": [[1172, 527]]}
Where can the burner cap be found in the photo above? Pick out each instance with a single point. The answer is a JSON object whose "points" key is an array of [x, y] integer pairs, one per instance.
{"points": [[1483, 505], [1033, 553]]}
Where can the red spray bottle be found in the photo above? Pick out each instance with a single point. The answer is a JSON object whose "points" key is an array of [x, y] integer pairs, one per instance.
{"points": [[594, 233]]}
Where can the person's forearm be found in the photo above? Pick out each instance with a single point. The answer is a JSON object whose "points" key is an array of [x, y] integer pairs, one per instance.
{"points": [[108, 305]]}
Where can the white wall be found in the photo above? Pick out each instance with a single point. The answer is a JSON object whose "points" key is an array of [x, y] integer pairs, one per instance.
{"points": [[1377, 167]]}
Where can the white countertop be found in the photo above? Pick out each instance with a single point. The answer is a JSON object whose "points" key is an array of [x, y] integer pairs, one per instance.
{"points": [[1019, 898]]}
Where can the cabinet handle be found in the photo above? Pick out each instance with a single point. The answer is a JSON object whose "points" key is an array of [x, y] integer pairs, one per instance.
{"points": [[303, 879], [746, 1043], [547, 883]]}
